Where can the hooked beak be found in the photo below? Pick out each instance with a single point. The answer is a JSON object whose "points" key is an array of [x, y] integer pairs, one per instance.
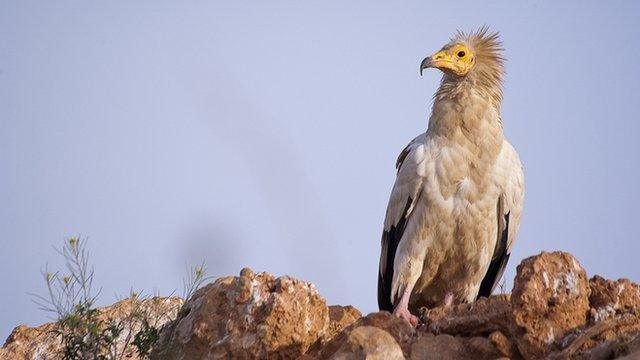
{"points": [[426, 63], [439, 60]]}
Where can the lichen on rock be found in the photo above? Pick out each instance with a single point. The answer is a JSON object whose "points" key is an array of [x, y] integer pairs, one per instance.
{"points": [[550, 298]]}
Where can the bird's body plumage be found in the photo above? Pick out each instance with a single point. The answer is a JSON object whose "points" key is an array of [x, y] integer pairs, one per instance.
{"points": [[455, 206]]}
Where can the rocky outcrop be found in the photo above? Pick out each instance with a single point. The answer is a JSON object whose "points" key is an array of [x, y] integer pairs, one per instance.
{"points": [[399, 331], [252, 315], [554, 312], [550, 298], [613, 298], [368, 342], [43, 343]]}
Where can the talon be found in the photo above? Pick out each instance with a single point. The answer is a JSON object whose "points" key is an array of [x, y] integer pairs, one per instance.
{"points": [[404, 313], [402, 307]]}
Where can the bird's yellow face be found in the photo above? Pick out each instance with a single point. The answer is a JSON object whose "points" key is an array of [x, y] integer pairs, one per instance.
{"points": [[455, 59]]}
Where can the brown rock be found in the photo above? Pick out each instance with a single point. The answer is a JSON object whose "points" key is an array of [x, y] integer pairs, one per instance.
{"points": [[340, 317], [41, 343], [256, 315], [448, 347], [368, 342], [32, 343], [609, 298], [399, 329], [250, 316], [483, 316], [550, 298], [629, 350], [503, 344], [606, 339]]}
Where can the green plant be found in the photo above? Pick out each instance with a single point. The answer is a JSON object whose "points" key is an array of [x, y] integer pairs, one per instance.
{"points": [[84, 333], [145, 338], [196, 276]]}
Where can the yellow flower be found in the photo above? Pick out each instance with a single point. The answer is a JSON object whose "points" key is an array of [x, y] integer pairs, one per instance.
{"points": [[73, 241], [199, 272]]}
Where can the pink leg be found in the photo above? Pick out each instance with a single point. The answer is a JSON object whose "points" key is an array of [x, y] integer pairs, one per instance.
{"points": [[402, 308], [448, 300]]}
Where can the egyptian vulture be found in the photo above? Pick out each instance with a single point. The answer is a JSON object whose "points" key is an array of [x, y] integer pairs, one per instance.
{"points": [[455, 207]]}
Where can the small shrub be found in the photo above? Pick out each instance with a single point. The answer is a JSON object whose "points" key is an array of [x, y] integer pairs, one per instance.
{"points": [[145, 338], [84, 334]]}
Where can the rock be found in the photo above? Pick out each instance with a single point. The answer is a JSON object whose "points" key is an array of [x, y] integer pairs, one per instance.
{"points": [[400, 329], [43, 344], [445, 347], [503, 344], [603, 340], [32, 343], [340, 317], [250, 316], [609, 298], [550, 298], [629, 350], [553, 312], [368, 342], [397, 328], [483, 316]]}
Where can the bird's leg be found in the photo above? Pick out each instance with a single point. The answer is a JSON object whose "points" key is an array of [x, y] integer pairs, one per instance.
{"points": [[402, 307], [448, 300]]}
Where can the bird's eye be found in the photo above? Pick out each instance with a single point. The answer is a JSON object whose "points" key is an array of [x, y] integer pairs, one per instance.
{"points": [[461, 53]]}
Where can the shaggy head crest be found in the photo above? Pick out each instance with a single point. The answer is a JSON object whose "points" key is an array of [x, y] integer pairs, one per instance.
{"points": [[472, 58], [487, 49]]}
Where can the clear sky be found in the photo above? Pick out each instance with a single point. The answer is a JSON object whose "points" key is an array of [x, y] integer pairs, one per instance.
{"points": [[264, 134]]}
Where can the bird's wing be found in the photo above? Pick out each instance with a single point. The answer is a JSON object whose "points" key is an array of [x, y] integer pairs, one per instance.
{"points": [[510, 202], [404, 196]]}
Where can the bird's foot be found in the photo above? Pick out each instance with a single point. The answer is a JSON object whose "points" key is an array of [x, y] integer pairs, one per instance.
{"points": [[448, 300], [404, 313], [402, 307]]}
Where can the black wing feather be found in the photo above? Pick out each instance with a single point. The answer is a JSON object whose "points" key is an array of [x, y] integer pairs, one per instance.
{"points": [[498, 263], [391, 238]]}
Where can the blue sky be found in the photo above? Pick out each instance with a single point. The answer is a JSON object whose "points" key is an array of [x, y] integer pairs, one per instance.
{"points": [[264, 134]]}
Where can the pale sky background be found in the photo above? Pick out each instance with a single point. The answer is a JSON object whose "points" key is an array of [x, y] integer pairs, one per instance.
{"points": [[264, 134]]}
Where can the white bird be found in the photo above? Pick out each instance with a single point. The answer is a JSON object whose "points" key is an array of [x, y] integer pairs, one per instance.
{"points": [[455, 207]]}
